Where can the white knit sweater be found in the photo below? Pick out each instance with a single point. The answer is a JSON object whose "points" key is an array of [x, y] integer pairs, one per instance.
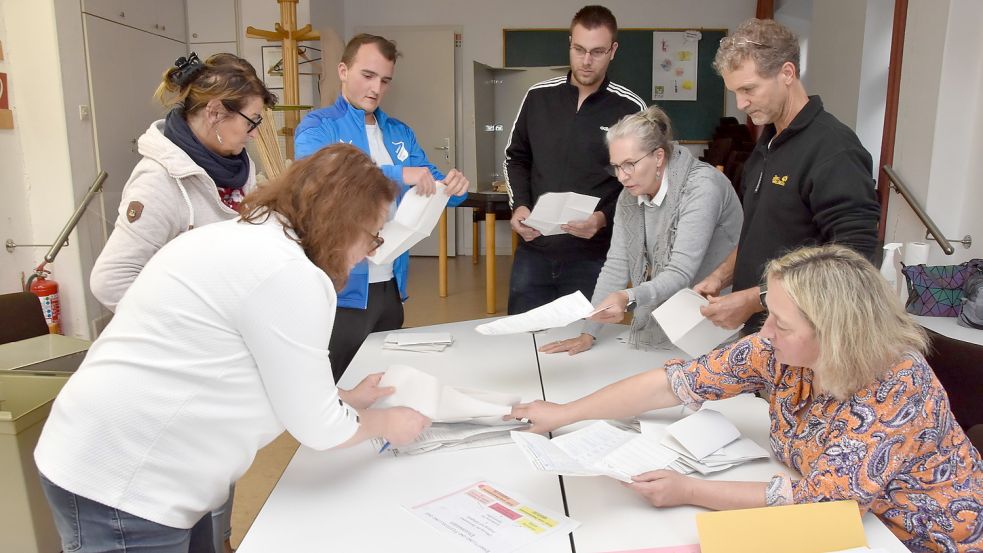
{"points": [[219, 345]]}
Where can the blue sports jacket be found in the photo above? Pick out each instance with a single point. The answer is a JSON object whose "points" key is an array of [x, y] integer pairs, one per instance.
{"points": [[343, 122]]}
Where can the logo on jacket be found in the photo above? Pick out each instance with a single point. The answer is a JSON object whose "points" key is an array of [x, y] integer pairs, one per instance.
{"points": [[603, 128], [401, 153], [780, 181]]}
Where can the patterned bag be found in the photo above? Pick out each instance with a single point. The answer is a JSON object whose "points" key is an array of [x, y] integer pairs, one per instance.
{"points": [[937, 290], [972, 309]]}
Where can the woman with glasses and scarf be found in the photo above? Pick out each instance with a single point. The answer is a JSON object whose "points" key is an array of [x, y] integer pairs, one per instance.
{"points": [[194, 171], [675, 221]]}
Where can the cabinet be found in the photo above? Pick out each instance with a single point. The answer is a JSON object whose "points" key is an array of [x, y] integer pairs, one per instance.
{"points": [[212, 21], [165, 18]]}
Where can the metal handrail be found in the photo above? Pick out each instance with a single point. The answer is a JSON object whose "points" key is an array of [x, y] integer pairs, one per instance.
{"points": [[898, 185]]}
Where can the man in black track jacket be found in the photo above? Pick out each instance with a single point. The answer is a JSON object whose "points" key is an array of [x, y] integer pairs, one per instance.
{"points": [[557, 145]]}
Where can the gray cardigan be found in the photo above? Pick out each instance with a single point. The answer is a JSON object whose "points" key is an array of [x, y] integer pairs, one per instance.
{"points": [[707, 231]]}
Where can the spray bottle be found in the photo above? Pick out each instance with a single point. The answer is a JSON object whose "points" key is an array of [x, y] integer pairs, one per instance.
{"points": [[889, 267]]}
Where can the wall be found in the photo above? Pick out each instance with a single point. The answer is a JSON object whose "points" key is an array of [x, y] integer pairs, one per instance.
{"points": [[836, 37]]}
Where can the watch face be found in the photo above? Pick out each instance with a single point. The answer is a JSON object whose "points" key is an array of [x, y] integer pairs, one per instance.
{"points": [[631, 305]]}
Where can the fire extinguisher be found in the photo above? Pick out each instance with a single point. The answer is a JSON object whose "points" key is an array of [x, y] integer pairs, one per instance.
{"points": [[47, 292]]}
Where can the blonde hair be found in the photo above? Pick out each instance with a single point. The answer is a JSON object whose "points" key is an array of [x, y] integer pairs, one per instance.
{"points": [[224, 77], [651, 128], [861, 327], [766, 42]]}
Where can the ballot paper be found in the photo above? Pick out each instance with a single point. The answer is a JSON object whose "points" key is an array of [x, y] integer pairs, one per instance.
{"points": [[415, 219], [557, 313], [490, 518], [689, 330], [707, 442], [441, 436], [441, 403], [555, 209], [595, 450], [418, 341]]}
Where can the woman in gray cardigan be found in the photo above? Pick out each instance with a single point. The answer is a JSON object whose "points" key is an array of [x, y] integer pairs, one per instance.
{"points": [[675, 221]]}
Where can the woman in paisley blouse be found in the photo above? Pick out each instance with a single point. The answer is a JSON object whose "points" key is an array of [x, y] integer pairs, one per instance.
{"points": [[854, 407]]}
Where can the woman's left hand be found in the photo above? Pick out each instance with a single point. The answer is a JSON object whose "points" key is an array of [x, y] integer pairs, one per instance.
{"points": [[663, 488], [366, 393], [619, 302]]}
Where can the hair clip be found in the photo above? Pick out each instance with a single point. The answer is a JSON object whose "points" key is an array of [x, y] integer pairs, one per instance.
{"points": [[187, 69]]}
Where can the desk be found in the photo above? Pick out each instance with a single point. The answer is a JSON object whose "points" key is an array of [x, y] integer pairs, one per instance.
{"points": [[948, 326], [350, 500]]}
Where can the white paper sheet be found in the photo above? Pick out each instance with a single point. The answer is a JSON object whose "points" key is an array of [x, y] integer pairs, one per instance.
{"points": [[557, 313], [704, 432], [418, 341], [554, 209], [491, 519], [441, 403], [451, 436], [415, 219], [689, 330]]}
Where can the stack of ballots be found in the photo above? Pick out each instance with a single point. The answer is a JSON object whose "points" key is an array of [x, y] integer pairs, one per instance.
{"points": [[461, 417], [707, 442], [418, 341]]}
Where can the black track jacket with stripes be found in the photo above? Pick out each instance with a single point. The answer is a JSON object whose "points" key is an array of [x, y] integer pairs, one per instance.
{"points": [[556, 148]]}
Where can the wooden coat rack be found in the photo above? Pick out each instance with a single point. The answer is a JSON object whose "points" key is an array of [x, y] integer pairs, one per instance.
{"points": [[287, 32]]}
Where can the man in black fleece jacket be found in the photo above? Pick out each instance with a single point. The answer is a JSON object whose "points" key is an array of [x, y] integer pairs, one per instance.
{"points": [[557, 145], [807, 182]]}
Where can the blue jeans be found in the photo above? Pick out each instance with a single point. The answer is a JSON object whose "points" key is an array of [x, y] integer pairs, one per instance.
{"points": [[537, 280], [86, 526]]}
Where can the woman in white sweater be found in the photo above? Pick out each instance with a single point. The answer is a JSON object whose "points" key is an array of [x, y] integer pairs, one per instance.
{"points": [[219, 345], [676, 219]]}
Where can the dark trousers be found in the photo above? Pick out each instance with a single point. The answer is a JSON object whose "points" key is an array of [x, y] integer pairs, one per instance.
{"points": [[351, 326], [537, 280]]}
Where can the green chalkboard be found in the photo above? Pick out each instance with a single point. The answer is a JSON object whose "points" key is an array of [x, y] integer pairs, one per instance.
{"points": [[632, 67]]}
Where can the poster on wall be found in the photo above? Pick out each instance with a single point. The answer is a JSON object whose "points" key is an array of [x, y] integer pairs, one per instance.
{"points": [[674, 57]]}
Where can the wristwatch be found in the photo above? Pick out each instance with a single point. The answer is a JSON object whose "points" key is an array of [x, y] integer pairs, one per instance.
{"points": [[762, 290], [631, 300]]}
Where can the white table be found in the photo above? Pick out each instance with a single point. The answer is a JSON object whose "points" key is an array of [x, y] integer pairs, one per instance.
{"points": [[350, 500], [948, 326]]}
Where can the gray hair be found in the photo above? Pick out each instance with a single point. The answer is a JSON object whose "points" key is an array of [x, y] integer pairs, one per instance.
{"points": [[651, 128], [769, 44]]}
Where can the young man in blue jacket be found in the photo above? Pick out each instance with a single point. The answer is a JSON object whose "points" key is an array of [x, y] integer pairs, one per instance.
{"points": [[372, 300]]}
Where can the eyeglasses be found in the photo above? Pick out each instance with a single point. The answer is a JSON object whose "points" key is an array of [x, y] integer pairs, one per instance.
{"points": [[595, 54], [253, 123], [377, 241], [740, 42], [628, 167]]}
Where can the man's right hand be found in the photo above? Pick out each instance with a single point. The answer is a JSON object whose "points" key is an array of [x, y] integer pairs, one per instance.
{"points": [[732, 310], [710, 286], [519, 215], [421, 178]]}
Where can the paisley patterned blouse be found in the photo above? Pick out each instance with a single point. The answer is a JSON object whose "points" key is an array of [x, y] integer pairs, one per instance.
{"points": [[894, 447]]}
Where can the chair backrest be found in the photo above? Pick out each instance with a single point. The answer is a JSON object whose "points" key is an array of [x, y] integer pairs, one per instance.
{"points": [[21, 317], [957, 365]]}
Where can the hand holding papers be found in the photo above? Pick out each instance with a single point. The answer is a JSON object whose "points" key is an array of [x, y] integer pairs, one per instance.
{"points": [[555, 209], [690, 331], [424, 393], [415, 219], [557, 313]]}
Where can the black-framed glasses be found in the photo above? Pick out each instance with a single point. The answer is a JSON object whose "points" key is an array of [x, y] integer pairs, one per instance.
{"points": [[377, 241], [595, 54], [627, 167], [253, 123]]}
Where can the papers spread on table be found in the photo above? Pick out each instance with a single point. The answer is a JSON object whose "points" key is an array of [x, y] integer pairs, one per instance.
{"points": [[490, 518], [704, 442], [810, 527], [680, 318], [554, 209], [441, 403], [418, 341], [557, 313], [442, 436], [415, 219]]}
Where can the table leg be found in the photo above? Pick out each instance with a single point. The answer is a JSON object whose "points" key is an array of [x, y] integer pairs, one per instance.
{"points": [[490, 261], [475, 242], [442, 258]]}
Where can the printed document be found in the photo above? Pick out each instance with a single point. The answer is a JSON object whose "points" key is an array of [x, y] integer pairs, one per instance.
{"points": [[492, 519], [557, 313], [686, 327], [555, 209], [441, 403], [415, 219]]}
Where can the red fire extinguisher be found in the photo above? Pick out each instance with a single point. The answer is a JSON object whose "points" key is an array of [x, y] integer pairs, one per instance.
{"points": [[47, 292]]}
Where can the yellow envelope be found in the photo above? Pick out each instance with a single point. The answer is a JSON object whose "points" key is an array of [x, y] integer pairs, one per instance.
{"points": [[806, 528]]}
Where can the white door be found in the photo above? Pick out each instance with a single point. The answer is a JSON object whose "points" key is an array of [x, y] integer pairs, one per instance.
{"points": [[422, 96]]}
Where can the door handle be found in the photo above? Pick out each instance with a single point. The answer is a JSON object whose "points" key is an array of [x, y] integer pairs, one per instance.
{"points": [[444, 148]]}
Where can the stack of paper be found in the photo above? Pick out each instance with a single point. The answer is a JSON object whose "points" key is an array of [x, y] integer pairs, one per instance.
{"points": [[554, 209], [452, 436], [707, 442], [418, 341], [415, 219], [596, 450], [440, 403], [557, 313], [686, 327]]}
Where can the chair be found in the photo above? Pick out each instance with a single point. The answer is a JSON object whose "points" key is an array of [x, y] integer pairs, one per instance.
{"points": [[21, 316], [957, 366]]}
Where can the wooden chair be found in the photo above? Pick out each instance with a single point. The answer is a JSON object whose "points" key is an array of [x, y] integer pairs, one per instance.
{"points": [[21, 317]]}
